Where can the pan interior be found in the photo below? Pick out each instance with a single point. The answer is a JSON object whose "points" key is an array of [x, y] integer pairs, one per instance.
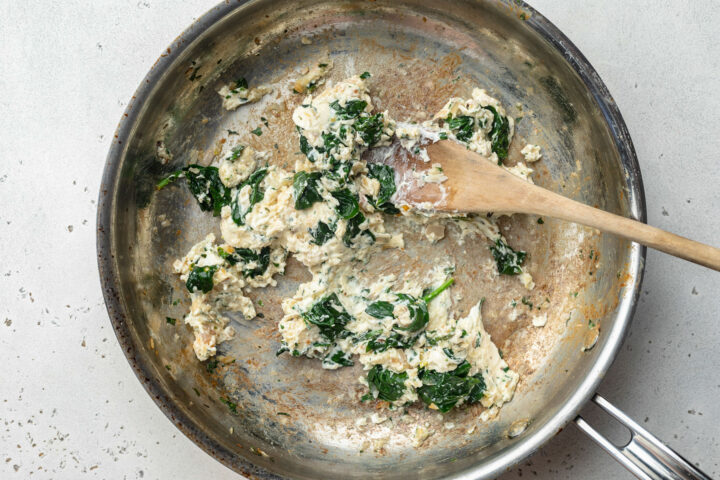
{"points": [[294, 418]]}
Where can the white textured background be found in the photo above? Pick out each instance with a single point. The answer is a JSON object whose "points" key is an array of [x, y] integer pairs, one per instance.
{"points": [[70, 406]]}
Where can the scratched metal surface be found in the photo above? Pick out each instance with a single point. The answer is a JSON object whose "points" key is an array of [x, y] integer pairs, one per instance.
{"points": [[419, 55]]}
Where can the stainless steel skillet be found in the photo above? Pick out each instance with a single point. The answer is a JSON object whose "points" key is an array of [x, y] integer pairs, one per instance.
{"points": [[292, 419]]}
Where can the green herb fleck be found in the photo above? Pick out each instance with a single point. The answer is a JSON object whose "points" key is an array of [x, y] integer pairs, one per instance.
{"points": [[526, 301], [232, 406], [211, 365]]}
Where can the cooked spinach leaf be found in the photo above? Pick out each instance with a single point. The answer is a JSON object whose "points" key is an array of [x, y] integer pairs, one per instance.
{"points": [[380, 343], [365, 75], [329, 315], [337, 358], [339, 171], [462, 126], [256, 195], [201, 278], [386, 384], [332, 140], [499, 134], [205, 185], [322, 233], [305, 189], [445, 390], [348, 205], [370, 128], [385, 175], [256, 262], [352, 108], [508, 260], [417, 307], [418, 312], [380, 309], [353, 229], [305, 147]]}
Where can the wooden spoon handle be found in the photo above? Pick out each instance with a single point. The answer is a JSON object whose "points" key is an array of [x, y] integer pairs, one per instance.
{"points": [[544, 202]]}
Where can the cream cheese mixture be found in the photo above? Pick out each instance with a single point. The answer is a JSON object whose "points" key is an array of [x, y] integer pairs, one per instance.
{"points": [[329, 213]]}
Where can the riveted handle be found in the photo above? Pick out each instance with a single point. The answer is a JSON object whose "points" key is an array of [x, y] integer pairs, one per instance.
{"points": [[644, 456]]}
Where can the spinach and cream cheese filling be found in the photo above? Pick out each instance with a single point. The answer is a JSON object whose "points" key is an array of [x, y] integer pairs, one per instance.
{"points": [[330, 214]]}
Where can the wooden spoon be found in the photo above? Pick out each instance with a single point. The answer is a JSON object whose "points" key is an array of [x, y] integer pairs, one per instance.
{"points": [[475, 184]]}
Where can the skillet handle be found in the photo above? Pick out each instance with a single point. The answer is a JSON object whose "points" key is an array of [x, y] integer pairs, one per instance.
{"points": [[644, 456]]}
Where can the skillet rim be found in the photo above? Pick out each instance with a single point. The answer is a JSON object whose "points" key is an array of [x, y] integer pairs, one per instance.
{"points": [[109, 278]]}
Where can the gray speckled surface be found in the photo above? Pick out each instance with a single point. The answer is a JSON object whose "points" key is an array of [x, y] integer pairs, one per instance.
{"points": [[70, 406]]}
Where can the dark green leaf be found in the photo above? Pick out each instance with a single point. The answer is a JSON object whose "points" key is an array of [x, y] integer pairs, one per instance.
{"points": [[348, 205], [386, 384], [332, 141], [499, 134], [380, 309], [256, 262], [201, 278], [337, 357], [305, 189], [241, 83], [508, 260], [170, 320], [418, 312], [351, 109], [385, 175], [379, 343], [370, 128], [340, 172], [256, 195], [353, 229], [461, 126], [322, 233], [257, 131], [445, 390], [329, 315], [365, 75], [205, 185], [305, 146]]}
